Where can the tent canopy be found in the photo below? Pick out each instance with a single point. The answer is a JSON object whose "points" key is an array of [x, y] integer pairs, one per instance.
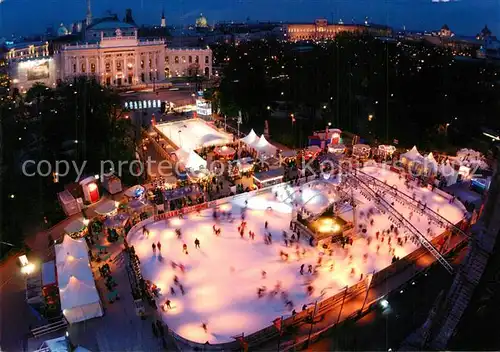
{"points": [[190, 159], [429, 158], [413, 155], [106, 207], [250, 138], [78, 268], [70, 249], [76, 225], [263, 146], [77, 293]]}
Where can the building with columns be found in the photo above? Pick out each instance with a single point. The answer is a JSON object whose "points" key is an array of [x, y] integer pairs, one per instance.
{"points": [[111, 51], [118, 59], [322, 30]]}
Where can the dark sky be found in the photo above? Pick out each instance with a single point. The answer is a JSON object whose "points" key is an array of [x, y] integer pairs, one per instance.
{"points": [[463, 16]]}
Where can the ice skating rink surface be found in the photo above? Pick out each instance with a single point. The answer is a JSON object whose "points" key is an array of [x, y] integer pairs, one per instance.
{"points": [[222, 277]]}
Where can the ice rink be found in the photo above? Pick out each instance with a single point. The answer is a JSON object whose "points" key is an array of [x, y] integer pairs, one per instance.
{"points": [[193, 134], [222, 277]]}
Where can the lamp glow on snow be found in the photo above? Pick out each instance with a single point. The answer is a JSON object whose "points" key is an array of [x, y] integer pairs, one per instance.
{"points": [[328, 225]]}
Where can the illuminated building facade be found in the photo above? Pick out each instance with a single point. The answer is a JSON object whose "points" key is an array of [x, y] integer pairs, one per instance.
{"points": [[118, 59], [113, 53], [188, 62], [29, 63], [322, 30]]}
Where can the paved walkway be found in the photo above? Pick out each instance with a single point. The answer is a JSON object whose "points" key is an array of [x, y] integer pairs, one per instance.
{"points": [[352, 305]]}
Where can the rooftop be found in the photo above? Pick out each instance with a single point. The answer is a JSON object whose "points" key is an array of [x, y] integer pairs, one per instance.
{"points": [[110, 24]]}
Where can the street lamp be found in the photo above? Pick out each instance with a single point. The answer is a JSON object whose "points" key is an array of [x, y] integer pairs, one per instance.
{"points": [[180, 142]]}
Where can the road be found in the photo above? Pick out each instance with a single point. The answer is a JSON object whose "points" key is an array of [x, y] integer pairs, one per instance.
{"points": [[15, 314], [386, 329]]}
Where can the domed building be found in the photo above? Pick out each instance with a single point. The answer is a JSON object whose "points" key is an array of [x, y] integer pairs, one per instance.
{"points": [[201, 22], [485, 33], [62, 31], [445, 31]]}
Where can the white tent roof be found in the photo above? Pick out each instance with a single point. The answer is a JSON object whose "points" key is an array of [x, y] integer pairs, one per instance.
{"points": [[76, 249], [77, 293], [106, 207], [250, 138], [134, 191], [429, 158], [78, 268], [413, 155], [263, 146], [195, 161], [76, 225], [191, 159]]}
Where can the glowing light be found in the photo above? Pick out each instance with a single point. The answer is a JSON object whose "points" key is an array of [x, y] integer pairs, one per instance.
{"points": [[86, 222], [328, 225], [28, 269], [23, 260], [92, 187], [384, 303]]}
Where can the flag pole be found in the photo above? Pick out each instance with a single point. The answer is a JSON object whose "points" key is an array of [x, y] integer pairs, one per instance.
{"points": [[367, 290], [281, 330], [312, 322]]}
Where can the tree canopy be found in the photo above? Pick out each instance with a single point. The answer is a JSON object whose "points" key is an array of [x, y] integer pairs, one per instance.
{"points": [[78, 121], [381, 90]]}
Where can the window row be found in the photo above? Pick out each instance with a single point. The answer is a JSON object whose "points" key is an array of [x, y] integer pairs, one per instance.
{"points": [[190, 59]]}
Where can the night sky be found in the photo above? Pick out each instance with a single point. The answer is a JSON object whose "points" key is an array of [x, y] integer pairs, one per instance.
{"points": [[464, 16]]}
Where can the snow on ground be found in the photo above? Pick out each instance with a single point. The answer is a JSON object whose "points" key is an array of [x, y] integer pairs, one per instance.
{"points": [[222, 277], [193, 134]]}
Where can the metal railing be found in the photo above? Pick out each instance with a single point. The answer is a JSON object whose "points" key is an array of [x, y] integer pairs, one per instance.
{"points": [[397, 217]]}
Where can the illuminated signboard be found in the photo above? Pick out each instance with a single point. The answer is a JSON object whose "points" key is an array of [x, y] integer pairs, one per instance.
{"points": [[36, 69], [203, 107]]}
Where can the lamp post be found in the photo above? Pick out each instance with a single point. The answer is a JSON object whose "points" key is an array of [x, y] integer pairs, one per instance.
{"points": [[180, 142]]}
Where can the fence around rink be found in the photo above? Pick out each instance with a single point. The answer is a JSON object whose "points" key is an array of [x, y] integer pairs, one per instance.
{"points": [[322, 307]]}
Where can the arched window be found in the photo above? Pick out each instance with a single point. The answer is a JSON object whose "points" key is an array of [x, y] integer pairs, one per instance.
{"points": [[176, 60], [207, 71], [206, 60], [190, 59], [92, 68]]}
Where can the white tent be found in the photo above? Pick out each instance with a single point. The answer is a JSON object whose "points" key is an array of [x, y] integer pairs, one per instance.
{"points": [[251, 138], [70, 249], [79, 268], [430, 161], [263, 146], [80, 301], [190, 159], [76, 225], [413, 155], [448, 173], [106, 207]]}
